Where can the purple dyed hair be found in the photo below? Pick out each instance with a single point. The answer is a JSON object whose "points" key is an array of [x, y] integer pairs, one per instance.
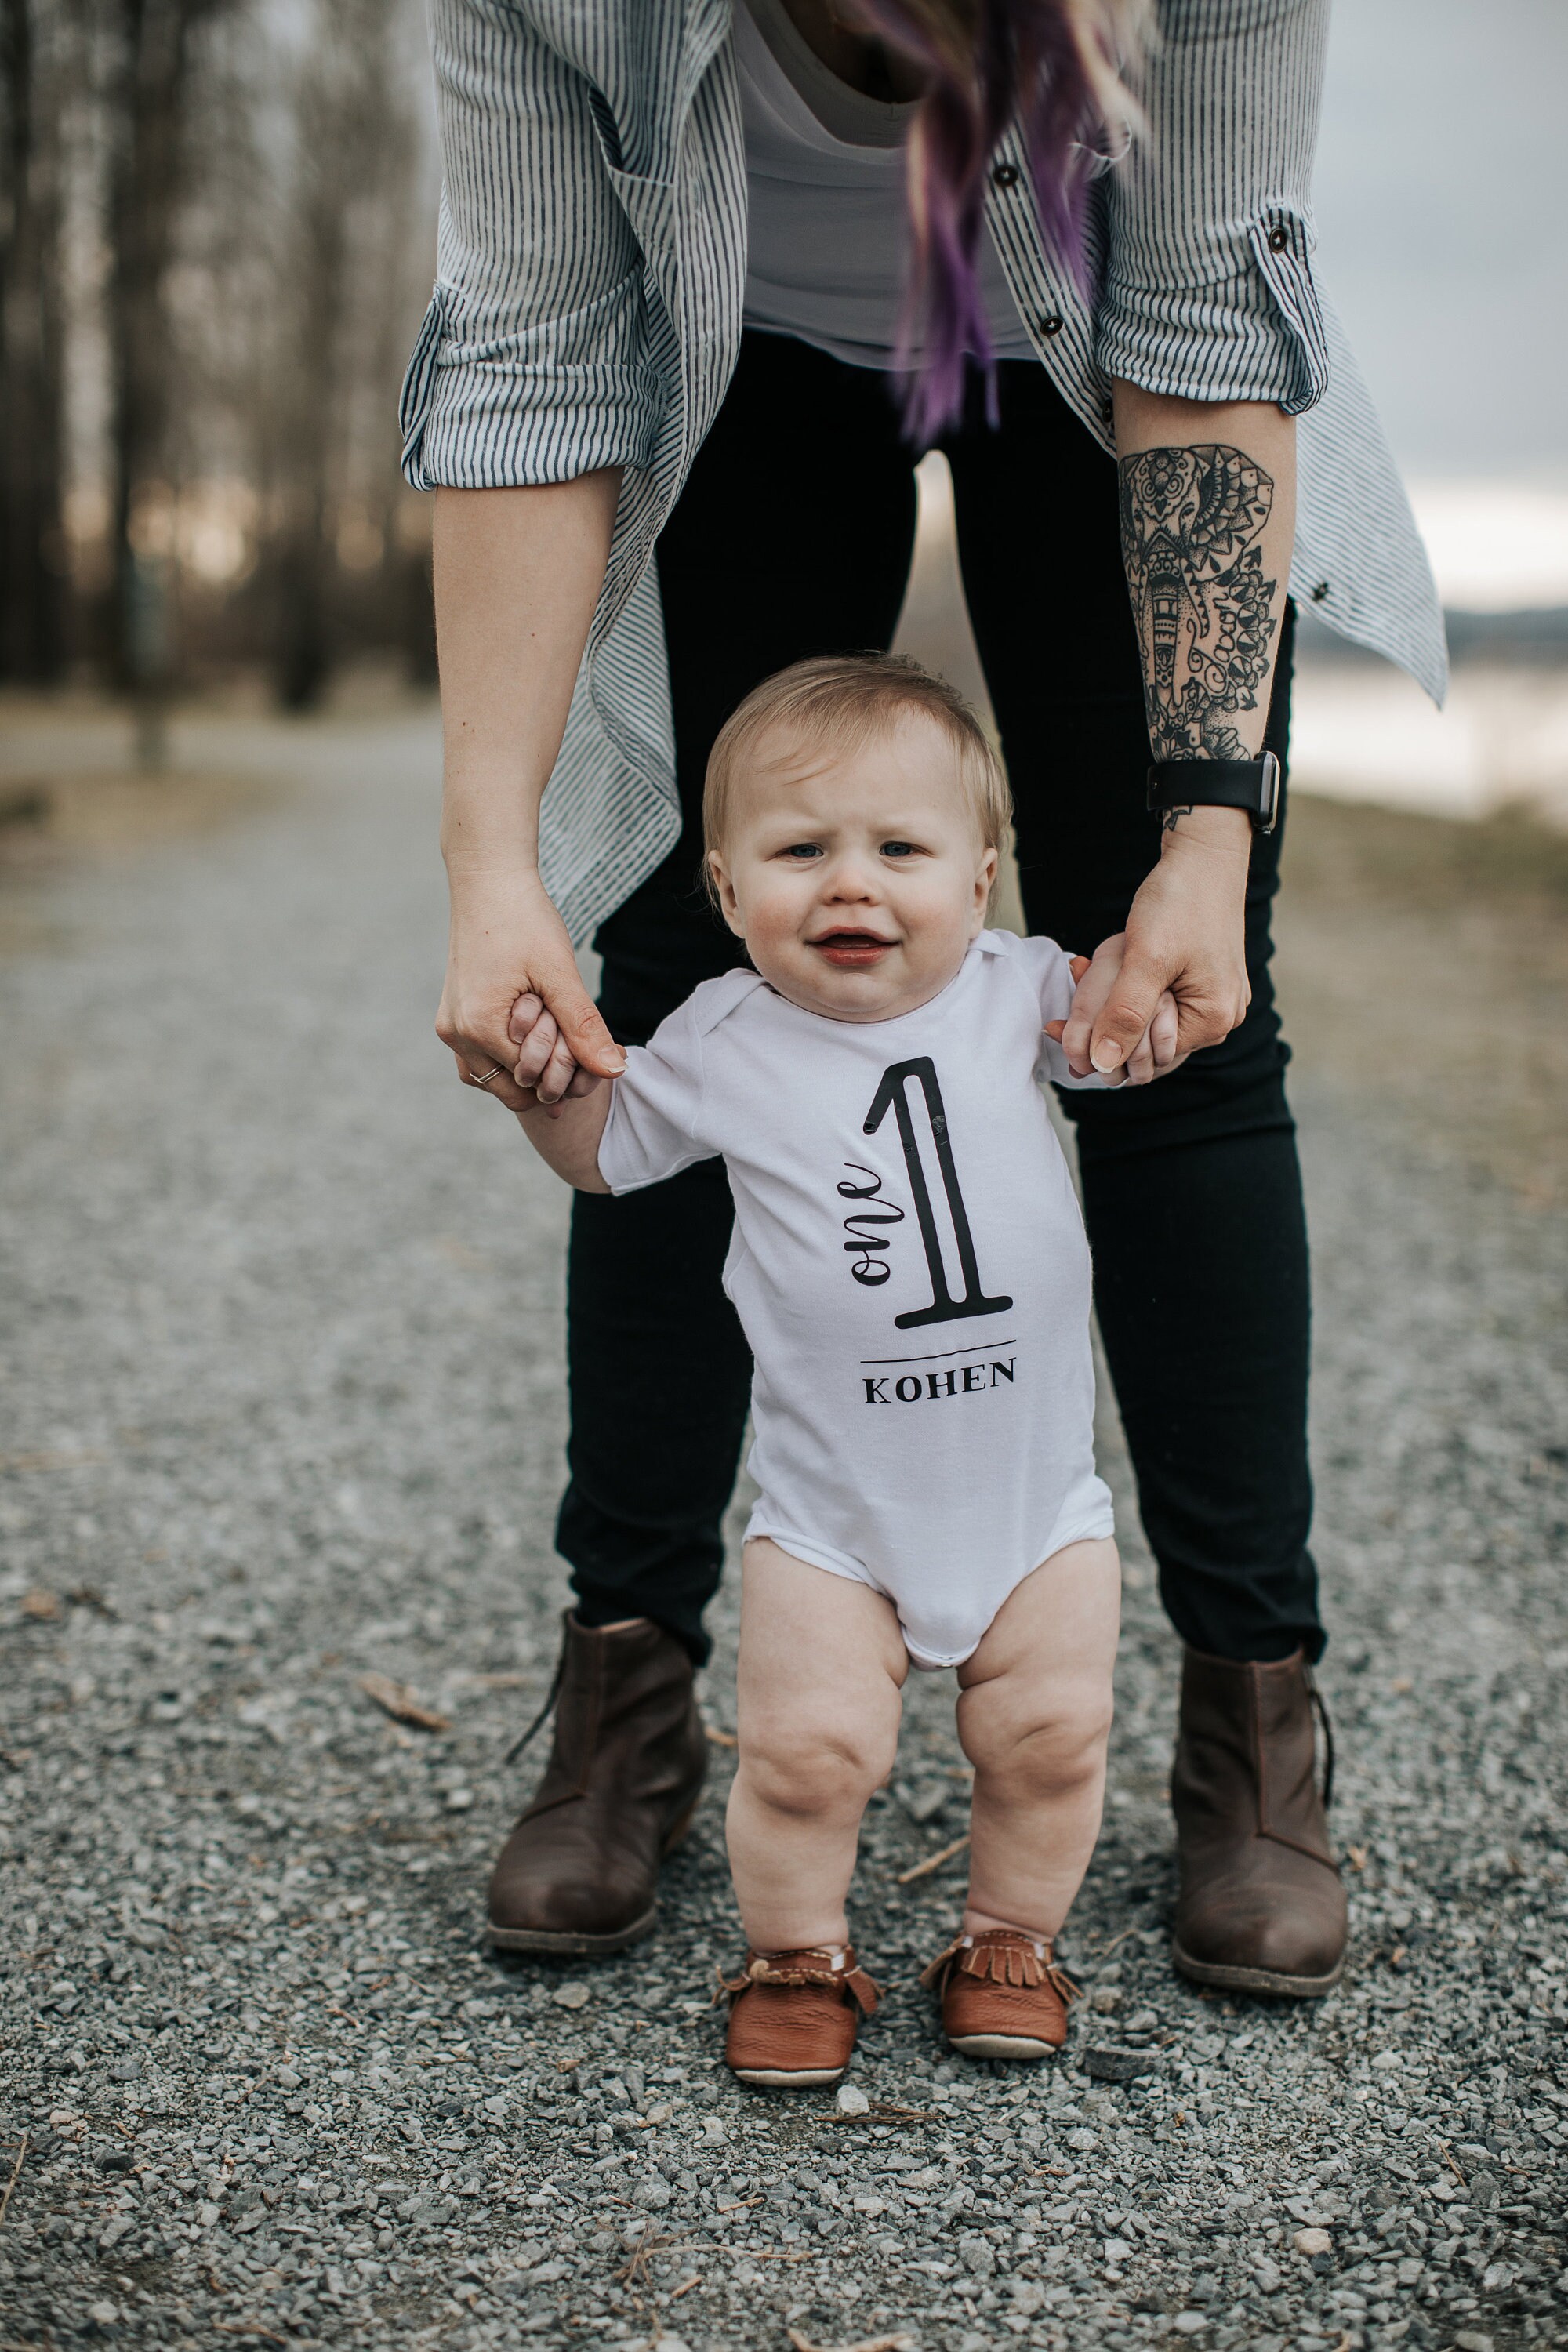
{"points": [[1052, 67]]}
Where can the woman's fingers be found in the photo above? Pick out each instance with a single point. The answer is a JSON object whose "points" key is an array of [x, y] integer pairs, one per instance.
{"points": [[482, 1076], [576, 1016], [1094, 981], [1128, 1007], [561, 1036]]}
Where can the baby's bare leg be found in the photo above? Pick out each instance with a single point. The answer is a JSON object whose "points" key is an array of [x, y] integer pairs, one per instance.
{"points": [[821, 1670], [1034, 1715]]}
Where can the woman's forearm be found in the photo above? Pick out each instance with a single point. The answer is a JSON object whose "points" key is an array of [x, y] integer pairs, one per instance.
{"points": [[1208, 519], [1208, 513], [517, 576]]}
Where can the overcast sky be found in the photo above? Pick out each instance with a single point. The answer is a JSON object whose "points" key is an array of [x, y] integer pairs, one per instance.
{"points": [[1442, 199]]}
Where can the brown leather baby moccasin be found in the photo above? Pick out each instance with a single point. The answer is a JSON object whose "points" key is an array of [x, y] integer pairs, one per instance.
{"points": [[1002, 1996], [794, 2016]]}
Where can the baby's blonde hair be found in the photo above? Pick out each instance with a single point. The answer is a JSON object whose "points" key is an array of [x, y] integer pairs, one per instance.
{"points": [[835, 703]]}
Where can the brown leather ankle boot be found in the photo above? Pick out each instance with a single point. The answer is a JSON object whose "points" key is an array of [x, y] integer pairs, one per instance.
{"points": [[1261, 1907], [580, 1871]]}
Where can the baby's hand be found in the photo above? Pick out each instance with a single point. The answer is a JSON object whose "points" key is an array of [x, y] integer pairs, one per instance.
{"points": [[1155, 1053], [544, 1064]]}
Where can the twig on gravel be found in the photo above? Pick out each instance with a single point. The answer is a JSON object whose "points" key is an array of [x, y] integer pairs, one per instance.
{"points": [[15, 2168], [248, 2327], [718, 1738], [88, 1596], [1452, 2162], [932, 1861], [686, 2286], [398, 1701], [867, 2344], [643, 2253]]}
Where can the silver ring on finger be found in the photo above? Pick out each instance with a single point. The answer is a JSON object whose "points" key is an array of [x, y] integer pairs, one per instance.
{"points": [[493, 1072]]}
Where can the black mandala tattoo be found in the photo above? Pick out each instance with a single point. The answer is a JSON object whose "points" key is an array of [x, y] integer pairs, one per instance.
{"points": [[1191, 519]]}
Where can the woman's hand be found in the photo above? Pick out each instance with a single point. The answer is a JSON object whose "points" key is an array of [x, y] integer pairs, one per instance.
{"points": [[1185, 933], [508, 943], [545, 1066], [1155, 1053]]}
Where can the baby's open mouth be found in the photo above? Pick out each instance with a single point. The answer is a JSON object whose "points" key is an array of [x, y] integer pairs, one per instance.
{"points": [[851, 949]]}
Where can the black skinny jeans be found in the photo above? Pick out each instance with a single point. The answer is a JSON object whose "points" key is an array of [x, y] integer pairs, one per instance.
{"points": [[792, 537]]}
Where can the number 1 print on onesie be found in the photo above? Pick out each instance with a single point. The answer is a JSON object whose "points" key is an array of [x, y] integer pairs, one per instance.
{"points": [[893, 1092]]}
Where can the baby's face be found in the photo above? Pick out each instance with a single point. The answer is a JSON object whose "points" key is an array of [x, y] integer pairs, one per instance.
{"points": [[856, 879]]}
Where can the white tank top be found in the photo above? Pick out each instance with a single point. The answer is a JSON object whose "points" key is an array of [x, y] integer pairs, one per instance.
{"points": [[828, 230]]}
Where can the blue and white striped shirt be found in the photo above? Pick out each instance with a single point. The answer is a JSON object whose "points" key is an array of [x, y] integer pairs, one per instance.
{"points": [[590, 280]]}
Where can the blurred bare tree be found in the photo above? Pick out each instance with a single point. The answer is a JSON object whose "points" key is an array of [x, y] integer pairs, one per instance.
{"points": [[215, 245], [149, 45], [33, 37], [349, 224]]}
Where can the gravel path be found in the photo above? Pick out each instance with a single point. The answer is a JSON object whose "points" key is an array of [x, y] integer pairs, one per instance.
{"points": [[285, 1409]]}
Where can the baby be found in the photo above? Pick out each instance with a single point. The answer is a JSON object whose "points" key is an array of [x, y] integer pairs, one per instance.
{"points": [[911, 1269]]}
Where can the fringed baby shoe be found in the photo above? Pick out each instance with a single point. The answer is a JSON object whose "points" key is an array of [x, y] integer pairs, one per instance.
{"points": [[794, 2016], [1002, 1996]]}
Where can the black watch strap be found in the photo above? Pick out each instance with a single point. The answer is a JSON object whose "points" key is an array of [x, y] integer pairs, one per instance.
{"points": [[1249, 784]]}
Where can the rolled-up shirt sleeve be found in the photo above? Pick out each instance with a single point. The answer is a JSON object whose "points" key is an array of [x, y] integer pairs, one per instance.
{"points": [[531, 365], [1209, 291]]}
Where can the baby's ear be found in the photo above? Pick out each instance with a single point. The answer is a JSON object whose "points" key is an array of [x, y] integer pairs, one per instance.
{"points": [[721, 891]]}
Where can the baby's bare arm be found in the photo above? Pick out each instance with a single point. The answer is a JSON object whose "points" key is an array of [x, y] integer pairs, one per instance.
{"points": [[566, 1136]]}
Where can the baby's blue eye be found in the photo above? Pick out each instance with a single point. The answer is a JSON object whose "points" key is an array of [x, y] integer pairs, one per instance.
{"points": [[897, 849], [804, 849]]}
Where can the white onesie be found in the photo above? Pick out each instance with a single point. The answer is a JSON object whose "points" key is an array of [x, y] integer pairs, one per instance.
{"points": [[910, 1268]]}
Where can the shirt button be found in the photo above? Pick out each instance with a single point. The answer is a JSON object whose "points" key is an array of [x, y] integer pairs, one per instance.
{"points": [[1279, 240], [1006, 175], [1051, 326]]}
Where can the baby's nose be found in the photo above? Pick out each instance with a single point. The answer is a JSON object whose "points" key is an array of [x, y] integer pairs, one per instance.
{"points": [[852, 878]]}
